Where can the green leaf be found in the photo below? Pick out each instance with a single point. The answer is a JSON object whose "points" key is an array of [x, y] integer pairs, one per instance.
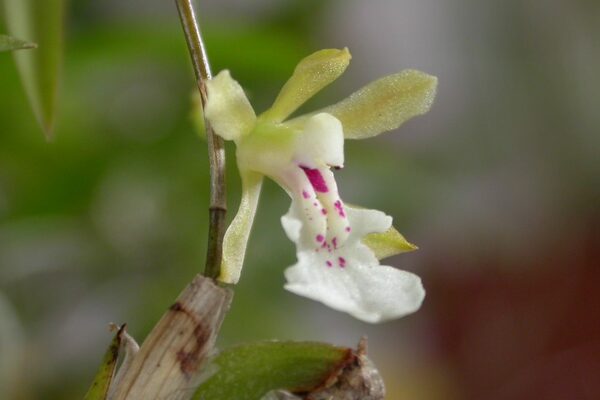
{"points": [[9, 43], [104, 376], [388, 243], [39, 21], [249, 372]]}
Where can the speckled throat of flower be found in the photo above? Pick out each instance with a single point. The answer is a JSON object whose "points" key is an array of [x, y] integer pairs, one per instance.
{"points": [[337, 246]]}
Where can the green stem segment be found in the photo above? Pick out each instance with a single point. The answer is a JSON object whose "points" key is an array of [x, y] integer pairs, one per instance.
{"points": [[216, 151]]}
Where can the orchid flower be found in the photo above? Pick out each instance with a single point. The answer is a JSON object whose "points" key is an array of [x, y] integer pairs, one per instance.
{"points": [[337, 245]]}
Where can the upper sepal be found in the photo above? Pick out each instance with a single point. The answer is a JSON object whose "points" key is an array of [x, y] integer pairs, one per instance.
{"points": [[311, 75]]}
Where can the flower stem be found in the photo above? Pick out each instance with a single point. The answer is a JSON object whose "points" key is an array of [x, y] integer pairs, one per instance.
{"points": [[216, 151]]}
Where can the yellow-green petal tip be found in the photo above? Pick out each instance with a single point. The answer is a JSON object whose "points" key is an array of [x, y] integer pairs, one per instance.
{"points": [[388, 243]]}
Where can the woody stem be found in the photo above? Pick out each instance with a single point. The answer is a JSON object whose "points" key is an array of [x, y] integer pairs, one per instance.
{"points": [[216, 151]]}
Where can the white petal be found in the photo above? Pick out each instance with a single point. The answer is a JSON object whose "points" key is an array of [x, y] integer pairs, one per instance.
{"points": [[227, 108], [372, 294], [321, 142], [292, 225], [365, 221], [358, 286]]}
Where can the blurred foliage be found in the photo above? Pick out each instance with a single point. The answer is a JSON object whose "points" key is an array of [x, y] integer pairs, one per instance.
{"points": [[41, 22], [107, 222]]}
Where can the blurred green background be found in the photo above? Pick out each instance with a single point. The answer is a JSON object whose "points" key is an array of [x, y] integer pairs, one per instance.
{"points": [[498, 185]]}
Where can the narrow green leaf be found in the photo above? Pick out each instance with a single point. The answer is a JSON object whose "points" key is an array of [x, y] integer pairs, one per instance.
{"points": [[388, 243], [106, 371], [250, 371], [9, 43], [39, 21]]}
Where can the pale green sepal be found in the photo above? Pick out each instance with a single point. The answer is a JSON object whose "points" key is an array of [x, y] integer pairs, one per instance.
{"points": [[106, 371], [311, 75], [227, 107], [9, 43], [388, 243], [384, 104], [236, 237]]}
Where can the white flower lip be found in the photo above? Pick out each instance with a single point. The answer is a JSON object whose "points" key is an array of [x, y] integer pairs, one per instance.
{"points": [[358, 286]]}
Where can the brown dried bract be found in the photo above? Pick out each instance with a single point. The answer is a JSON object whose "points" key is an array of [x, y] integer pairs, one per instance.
{"points": [[189, 361]]}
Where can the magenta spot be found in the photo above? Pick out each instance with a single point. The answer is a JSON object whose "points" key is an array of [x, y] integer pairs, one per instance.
{"points": [[324, 245], [316, 179], [334, 241], [348, 229], [328, 263], [340, 208], [315, 204], [323, 211], [305, 194], [320, 238], [342, 262]]}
